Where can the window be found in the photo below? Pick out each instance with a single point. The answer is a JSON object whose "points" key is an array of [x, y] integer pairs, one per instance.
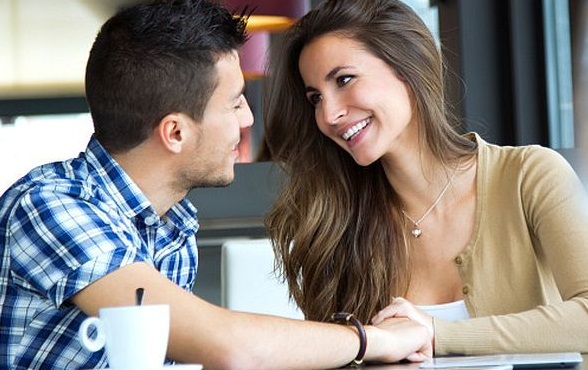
{"points": [[35, 140], [558, 69], [428, 13]]}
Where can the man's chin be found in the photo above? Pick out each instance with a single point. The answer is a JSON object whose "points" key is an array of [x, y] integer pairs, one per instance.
{"points": [[220, 184], [216, 182]]}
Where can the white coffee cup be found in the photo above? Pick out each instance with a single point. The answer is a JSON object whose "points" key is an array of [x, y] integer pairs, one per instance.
{"points": [[135, 336]]}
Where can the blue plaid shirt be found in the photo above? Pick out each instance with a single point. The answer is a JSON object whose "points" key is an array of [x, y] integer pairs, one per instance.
{"points": [[63, 226]]}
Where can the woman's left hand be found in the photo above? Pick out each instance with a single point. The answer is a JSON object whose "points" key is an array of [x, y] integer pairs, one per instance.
{"points": [[401, 308]]}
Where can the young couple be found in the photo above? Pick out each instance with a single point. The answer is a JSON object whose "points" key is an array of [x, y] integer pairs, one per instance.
{"points": [[388, 213]]}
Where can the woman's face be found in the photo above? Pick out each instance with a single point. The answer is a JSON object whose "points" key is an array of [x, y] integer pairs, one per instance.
{"points": [[359, 101]]}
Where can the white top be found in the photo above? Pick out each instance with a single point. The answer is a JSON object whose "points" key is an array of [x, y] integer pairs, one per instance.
{"points": [[451, 311]]}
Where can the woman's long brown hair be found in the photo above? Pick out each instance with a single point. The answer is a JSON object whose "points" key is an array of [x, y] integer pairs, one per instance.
{"points": [[337, 227]]}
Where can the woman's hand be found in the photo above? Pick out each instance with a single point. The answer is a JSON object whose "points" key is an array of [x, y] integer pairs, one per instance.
{"points": [[395, 339], [401, 308]]}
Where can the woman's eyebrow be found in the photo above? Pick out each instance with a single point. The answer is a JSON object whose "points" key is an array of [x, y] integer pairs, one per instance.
{"points": [[331, 75], [333, 72]]}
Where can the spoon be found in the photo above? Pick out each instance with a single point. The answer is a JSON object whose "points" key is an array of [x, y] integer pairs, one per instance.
{"points": [[139, 296]]}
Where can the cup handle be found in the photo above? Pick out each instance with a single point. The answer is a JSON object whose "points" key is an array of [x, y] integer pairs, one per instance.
{"points": [[92, 344]]}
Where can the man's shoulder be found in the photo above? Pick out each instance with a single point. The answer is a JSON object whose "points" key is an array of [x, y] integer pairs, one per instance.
{"points": [[53, 184], [57, 175]]}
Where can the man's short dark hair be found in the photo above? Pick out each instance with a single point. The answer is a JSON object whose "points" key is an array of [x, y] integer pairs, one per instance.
{"points": [[154, 59]]}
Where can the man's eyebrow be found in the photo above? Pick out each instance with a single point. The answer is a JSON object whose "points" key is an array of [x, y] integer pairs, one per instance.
{"points": [[238, 94]]}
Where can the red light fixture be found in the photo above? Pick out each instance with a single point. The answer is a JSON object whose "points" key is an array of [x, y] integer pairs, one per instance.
{"points": [[268, 16]]}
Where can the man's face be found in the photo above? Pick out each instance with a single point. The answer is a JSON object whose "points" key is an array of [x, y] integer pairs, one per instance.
{"points": [[211, 156]]}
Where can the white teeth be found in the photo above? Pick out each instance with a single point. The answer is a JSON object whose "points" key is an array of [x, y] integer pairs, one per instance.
{"points": [[355, 129]]}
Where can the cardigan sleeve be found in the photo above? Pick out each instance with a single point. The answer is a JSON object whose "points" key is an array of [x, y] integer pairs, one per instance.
{"points": [[556, 210]]}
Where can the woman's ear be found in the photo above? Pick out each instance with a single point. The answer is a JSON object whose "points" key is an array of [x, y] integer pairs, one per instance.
{"points": [[171, 131]]}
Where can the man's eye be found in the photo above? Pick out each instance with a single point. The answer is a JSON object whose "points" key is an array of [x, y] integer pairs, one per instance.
{"points": [[314, 99], [239, 104], [343, 80]]}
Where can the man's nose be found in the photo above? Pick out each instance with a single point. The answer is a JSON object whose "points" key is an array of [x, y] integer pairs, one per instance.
{"points": [[247, 118]]}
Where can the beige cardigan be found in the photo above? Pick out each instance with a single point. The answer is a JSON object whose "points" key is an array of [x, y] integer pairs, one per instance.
{"points": [[525, 270]]}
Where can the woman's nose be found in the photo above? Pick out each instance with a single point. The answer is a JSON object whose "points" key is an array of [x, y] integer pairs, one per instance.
{"points": [[333, 110]]}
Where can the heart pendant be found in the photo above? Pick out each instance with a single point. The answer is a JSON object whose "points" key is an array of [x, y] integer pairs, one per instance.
{"points": [[416, 232]]}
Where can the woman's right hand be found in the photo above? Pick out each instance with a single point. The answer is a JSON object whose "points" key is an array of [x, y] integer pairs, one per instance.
{"points": [[395, 339], [402, 308]]}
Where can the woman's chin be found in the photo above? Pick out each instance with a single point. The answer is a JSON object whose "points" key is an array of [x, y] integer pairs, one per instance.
{"points": [[364, 161]]}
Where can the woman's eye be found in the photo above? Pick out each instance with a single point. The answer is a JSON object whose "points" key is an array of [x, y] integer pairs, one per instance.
{"points": [[343, 80], [314, 99]]}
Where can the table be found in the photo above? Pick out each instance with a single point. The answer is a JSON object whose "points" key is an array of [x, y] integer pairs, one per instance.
{"points": [[415, 366]]}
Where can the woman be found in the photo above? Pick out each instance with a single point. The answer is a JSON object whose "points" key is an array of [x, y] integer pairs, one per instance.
{"points": [[386, 199]]}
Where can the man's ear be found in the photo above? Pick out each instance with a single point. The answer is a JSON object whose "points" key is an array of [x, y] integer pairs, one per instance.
{"points": [[171, 131]]}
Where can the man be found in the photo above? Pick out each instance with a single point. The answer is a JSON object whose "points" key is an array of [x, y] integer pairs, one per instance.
{"points": [[165, 92]]}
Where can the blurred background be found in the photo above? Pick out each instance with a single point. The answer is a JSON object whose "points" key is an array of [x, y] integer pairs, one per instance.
{"points": [[517, 70]]}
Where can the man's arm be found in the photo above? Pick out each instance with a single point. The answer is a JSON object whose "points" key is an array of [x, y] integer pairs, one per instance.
{"points": [[201, 332]]}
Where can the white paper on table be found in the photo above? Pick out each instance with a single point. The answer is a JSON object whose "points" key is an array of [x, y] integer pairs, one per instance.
{"points": [[527, 360]]}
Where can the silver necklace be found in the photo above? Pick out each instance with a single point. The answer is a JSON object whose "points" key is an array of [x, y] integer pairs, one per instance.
{"points": [[417, 231]]}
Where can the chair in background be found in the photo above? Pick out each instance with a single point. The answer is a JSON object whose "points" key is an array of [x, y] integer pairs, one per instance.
{"points": [[248, 280]]}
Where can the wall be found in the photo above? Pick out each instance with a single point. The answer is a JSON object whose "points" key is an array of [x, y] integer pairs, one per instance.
{"points": [[44, 46]]}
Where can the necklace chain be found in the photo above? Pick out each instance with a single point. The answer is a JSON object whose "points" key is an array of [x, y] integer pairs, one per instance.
{"points": [[417, 231]]}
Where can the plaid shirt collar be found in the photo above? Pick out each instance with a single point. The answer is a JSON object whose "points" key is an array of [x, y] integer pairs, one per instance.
{"points": [[128, 196]]}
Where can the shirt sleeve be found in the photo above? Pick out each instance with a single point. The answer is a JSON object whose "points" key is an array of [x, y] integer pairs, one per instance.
{"points": [[62, 241], [556, 210]]}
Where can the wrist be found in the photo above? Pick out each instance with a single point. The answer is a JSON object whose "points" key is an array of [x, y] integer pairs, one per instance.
{"points": [[372, 353], [348, 319]]}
